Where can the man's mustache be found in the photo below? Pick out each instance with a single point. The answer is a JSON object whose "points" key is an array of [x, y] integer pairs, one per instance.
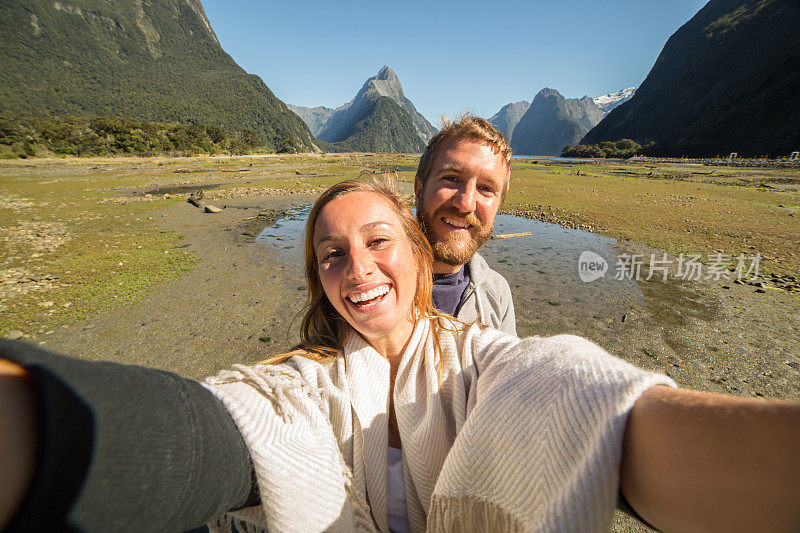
{"points": [[469, 218]]}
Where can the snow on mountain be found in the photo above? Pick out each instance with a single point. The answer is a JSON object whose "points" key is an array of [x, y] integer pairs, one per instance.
{"points": [[609, 101]]}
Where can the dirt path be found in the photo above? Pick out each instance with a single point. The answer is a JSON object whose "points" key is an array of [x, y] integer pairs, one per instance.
{"points": [[234, 306]]}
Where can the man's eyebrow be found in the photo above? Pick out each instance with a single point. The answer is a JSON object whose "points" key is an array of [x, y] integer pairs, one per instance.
{"points": [[450, 167], [454, 167], [493, 182]]}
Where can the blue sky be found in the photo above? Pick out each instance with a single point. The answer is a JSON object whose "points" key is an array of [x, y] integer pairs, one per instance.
{"points": [[450, 56]]}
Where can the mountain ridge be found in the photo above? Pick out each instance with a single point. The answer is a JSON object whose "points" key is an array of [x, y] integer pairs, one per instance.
{"points": [[552, 122], [133, 59], [508, 117], [610, 101], [725, 81]]}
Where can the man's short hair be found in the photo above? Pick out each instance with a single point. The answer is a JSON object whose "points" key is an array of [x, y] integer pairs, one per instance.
{"points": [[466, 127]]}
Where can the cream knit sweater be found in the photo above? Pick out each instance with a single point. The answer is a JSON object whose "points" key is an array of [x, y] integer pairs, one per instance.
{"points": [[517, 435]]}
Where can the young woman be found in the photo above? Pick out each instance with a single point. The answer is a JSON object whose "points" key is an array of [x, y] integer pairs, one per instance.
{"points": [[389, 416]]}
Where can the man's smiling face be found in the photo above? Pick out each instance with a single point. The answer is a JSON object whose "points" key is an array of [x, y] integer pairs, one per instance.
{"points": [[458, 202]]}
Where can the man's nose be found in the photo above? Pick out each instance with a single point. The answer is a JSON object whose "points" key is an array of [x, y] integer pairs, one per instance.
{"points": [[464, 199], [360, 265]]}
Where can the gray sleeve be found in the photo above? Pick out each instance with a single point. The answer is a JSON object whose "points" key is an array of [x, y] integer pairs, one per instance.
{"points": [[509, 321]]}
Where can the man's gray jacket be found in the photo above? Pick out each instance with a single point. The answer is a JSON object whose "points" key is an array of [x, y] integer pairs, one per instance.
{"points": [[487, 298]]}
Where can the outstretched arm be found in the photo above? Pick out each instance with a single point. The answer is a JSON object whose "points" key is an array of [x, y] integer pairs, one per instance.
{"points": [[18, 445], [709, 462], [95, 446]]}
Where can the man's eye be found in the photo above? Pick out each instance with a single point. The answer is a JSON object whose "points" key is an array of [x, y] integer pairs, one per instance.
{"points": [[486, 189]]}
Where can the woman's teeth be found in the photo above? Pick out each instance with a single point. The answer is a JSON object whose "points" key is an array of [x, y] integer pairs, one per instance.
{"points": [[369, 295], [456, 223]]}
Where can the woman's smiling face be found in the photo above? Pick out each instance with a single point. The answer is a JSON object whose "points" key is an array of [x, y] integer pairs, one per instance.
{"points": [[366, 267]]}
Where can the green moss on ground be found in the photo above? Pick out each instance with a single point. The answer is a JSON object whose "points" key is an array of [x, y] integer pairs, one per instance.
{"points": [[82, 228]]}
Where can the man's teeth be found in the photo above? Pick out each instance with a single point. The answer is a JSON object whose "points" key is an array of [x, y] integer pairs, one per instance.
{"points": [[455, 222], [369, 295]]}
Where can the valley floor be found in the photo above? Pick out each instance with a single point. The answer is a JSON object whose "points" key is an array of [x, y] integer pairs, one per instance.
{"points": [[105, 259]]}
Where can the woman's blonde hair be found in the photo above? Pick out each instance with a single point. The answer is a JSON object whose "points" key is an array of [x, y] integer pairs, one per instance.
{"points": [[323, 331]]}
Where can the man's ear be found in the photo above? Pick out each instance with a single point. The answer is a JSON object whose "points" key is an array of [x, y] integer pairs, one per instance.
{"points": [[417, 190]]}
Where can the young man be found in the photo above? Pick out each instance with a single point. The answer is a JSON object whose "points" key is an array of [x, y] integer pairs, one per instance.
{"points": [[461, 182]]}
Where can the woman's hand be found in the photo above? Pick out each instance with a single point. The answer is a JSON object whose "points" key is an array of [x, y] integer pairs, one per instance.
{"points": [[18, 438], [708, 462]]}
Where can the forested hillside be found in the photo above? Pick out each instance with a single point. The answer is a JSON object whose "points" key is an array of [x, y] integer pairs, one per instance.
{"points": [[727, 81], [23, 137], [156, 61], [383, 127]]}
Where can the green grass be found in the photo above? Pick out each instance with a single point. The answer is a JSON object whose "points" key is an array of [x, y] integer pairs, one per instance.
{"points": [[113, 255], [110, 255], [102, 269]]}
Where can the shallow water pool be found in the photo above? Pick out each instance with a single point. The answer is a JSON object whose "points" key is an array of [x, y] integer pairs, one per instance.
{"points": [[545, 262]]}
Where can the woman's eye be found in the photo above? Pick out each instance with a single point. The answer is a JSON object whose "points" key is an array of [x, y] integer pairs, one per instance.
{"points": [[332, 254], [378, 241]]}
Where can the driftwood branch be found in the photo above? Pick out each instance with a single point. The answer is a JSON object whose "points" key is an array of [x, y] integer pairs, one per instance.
{"points": [[510, 235]]}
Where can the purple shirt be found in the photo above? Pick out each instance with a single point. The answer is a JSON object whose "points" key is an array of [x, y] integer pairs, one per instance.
{"points": [[448, 289]]}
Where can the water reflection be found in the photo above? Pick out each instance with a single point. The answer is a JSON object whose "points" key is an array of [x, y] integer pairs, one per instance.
{"points": [[287, 232], [545, 262], [549, 257]]}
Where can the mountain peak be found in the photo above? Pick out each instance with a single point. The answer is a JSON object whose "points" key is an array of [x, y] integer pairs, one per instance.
{"points": [[547, 92], [385, 73], [337, 125], [385, 83], [552, 122]]}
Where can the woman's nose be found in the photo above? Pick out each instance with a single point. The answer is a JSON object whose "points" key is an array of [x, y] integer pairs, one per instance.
{"points": [[360, 265], [464, 199]]}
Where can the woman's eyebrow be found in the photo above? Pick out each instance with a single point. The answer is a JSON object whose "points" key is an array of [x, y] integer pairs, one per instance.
{"points": [[332, 237], [373, 225], [366, 227]]}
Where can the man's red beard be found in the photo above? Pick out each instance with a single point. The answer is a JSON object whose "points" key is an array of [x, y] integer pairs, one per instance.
{"points": [[451, 250]]}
